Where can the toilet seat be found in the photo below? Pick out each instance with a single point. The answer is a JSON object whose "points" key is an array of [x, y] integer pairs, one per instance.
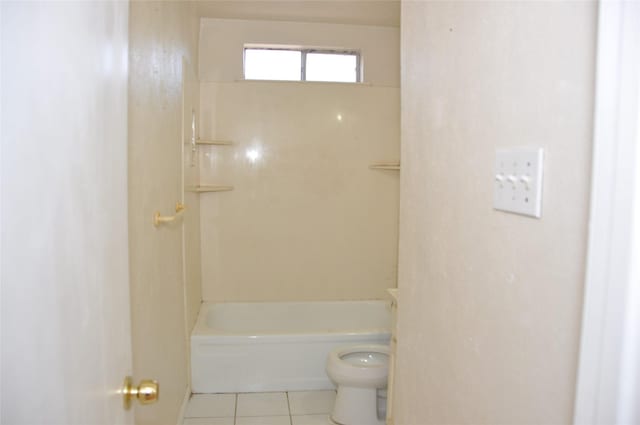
{"points": [[365, 358], [364, 366]]}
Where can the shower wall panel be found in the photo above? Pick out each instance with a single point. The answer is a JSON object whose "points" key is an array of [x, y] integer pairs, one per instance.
{"points": [[307, 219]]}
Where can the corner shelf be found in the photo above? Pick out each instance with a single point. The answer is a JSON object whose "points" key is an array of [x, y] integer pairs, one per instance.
{"points": [[208, 188], [385, 166], [205, 188], [214, 142]]}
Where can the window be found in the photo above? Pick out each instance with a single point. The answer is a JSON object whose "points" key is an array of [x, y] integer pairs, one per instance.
{"points": [[301, 65], [263, 64]]}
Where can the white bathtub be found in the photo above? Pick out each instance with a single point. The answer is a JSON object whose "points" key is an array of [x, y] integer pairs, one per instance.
{"points": [[281, 346]]}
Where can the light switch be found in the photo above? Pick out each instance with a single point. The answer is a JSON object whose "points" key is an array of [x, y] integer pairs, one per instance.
{"points": [[518, 181]]}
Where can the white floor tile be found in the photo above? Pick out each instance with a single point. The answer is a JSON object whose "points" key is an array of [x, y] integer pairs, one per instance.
{"points": [[263, 420], [262, 404], [208, 421], [211, 406], [311, 420], [311, 402]]}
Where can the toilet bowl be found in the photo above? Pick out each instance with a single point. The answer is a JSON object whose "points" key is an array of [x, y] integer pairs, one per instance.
{"points": [[359, 371]]}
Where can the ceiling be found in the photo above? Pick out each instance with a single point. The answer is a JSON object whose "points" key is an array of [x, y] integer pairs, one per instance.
{"points": [[355, 12]]}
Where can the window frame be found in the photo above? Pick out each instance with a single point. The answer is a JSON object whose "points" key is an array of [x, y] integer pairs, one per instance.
{"points": [[303, 61]]}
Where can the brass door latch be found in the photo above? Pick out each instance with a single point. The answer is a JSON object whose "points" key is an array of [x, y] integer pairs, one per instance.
{"points": [[146, 393]]}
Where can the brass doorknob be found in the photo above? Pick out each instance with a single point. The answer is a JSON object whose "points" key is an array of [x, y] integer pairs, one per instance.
{"points": [[146, 393]]}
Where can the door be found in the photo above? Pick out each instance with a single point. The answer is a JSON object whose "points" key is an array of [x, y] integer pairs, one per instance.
{"points": [[66, 344]]}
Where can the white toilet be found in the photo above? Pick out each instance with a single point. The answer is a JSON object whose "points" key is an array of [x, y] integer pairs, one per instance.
{"points": [[359, 371]]}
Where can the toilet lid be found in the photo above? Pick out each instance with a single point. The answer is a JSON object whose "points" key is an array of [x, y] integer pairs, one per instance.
{"points": [[365, 359]]}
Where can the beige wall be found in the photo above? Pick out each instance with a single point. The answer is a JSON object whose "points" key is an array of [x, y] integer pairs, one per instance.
{"points": [[308, 219], [490, 302], [358, 12], [161, 34]]}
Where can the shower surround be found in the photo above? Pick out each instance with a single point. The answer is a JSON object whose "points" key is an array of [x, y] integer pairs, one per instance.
{"points": [[307, 219]]}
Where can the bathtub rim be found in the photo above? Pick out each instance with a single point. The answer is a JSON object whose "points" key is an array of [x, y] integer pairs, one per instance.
{"points": [[202, 330]]}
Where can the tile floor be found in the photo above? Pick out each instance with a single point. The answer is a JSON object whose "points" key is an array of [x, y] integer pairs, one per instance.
{"points": [[285, 408]]}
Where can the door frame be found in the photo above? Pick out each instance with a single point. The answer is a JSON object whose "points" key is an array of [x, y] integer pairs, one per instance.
{"points": [[608, 378]]}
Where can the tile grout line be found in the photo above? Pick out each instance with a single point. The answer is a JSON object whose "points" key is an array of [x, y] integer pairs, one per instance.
{"points": [[235, 411], [289, 407], [236, 407]]}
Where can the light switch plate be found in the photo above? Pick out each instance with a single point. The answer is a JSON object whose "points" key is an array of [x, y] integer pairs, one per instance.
{"points": [[518, 181]]}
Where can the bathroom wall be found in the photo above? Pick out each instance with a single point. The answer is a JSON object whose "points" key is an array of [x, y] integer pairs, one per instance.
{"points": [[490, 302], [191, 177], [161, 35], [358, 12], [307, 219]]}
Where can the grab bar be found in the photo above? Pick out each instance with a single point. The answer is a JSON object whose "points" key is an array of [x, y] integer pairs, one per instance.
{"points": [[160, 219]]}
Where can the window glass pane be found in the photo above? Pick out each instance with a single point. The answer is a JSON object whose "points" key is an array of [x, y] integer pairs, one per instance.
{"points": [[260, 64], [331, 67]]}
